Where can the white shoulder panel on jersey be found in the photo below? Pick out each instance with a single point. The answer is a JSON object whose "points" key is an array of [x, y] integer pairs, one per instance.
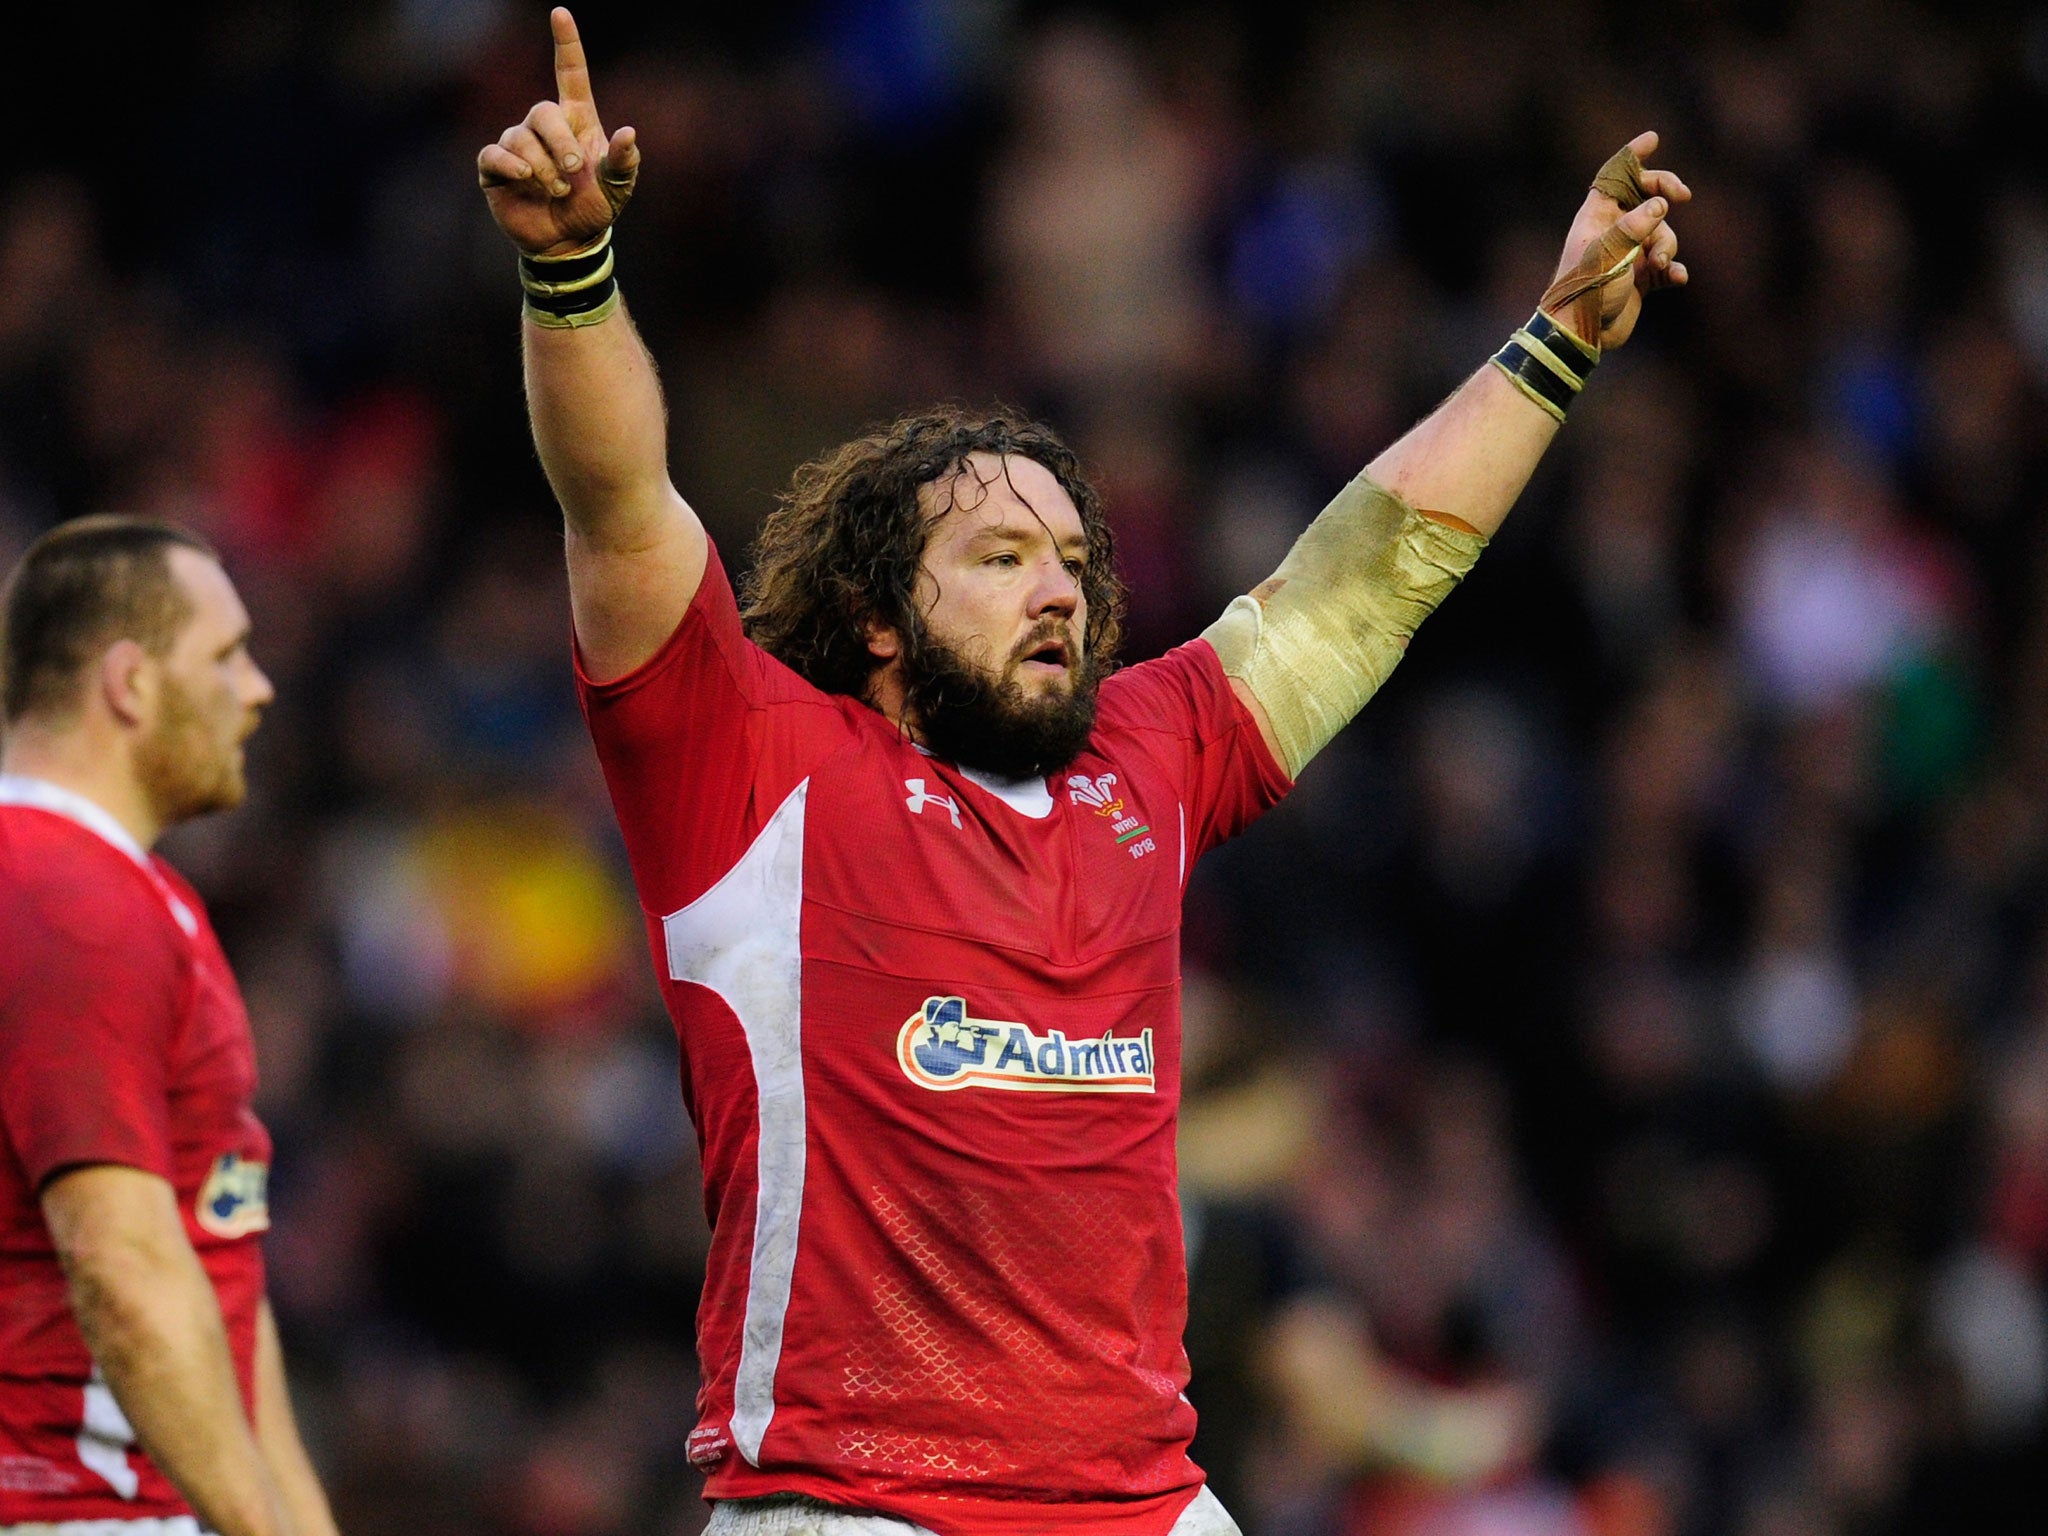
{"points": [[740, 939]]}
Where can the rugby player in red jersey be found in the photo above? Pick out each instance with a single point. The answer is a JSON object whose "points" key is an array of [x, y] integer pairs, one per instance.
{"points": [[912, 858], [142, 1389]]}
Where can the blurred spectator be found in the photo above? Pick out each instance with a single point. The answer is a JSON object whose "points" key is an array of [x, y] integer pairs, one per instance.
{"points": [[1617, 1079]]}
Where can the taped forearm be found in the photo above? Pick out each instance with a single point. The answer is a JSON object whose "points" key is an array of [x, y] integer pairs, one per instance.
{"points": [[1327, 630]]}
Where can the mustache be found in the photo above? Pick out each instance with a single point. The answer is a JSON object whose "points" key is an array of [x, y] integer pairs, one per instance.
{"points": [[1047, 632]]}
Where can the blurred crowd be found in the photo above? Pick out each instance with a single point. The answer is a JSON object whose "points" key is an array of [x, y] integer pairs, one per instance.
{"points": [[1618, 1076]]}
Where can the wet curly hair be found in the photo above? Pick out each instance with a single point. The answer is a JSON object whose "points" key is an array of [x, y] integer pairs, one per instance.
{"points": [[841, 551]]}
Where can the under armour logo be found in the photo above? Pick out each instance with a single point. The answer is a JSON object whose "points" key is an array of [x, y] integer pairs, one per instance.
{"points": [[918, 800]]}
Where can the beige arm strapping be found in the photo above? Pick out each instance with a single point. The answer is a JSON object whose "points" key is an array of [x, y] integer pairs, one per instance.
{"points": [[1337, 615]]}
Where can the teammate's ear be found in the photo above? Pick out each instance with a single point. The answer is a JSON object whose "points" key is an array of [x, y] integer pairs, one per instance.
{"points": [[884, 644], [129, 682]]}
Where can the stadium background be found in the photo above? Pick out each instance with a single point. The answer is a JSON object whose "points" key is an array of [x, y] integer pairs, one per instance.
{"points": [[1637, 1026]]}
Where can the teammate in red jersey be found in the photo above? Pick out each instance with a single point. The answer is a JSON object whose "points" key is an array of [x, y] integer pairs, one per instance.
{"points": [[912, 859], [141, 1384]]}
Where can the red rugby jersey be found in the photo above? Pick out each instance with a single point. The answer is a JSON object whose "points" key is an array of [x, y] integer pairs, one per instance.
{"points": [[930, 1033], [122, 1040]]}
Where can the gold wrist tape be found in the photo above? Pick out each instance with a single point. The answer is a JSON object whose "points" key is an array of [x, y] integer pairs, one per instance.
{"points": [[1528, 376], [1546, 363], [592, 316], [1535, 346], [575, 288], [587, 249], [1581, 356], [591, 279], [1337, 616]]}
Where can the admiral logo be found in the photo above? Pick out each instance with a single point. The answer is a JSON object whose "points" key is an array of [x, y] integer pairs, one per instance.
{"points": [[942, 1048], [235, 1200]]}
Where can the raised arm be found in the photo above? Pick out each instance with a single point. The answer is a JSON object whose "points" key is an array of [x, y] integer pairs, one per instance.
{"points": [[150, 1317], [555, 183], [1472, 455], [1315, 641]]}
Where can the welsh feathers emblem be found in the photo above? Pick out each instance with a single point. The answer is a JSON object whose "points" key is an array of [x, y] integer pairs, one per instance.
{"points": [[1098, 792]]}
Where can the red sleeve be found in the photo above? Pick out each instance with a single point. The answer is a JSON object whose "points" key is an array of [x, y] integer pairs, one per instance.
{"points": [[90, 999], [1182, 705], [701, 743]]}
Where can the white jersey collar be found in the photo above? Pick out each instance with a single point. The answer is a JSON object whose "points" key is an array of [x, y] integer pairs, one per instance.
{"points": [[42, 795], [1029, 797]]}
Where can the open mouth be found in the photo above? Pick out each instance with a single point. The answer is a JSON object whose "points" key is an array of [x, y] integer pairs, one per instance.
{"points": [[1048, 656]]}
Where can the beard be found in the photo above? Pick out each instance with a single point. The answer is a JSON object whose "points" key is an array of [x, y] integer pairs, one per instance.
{"points": [[979, 720], [183, 767]]}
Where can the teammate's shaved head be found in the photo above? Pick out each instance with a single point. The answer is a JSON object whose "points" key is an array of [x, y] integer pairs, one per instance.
{"points": [[80, 588]]}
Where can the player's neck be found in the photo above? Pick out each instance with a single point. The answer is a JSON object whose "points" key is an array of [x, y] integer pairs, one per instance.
{"points": [[887, 696], [72, 758]]}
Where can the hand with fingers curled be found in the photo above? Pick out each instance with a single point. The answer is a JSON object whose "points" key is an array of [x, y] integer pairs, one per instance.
{"points": [[1621, 246], [556, 182]]}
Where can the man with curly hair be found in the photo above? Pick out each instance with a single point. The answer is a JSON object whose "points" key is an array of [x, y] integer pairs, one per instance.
{"points": [[912, 859]]}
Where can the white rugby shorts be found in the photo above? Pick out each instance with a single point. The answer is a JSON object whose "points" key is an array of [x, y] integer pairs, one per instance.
{"points": [[1206, 1516]]}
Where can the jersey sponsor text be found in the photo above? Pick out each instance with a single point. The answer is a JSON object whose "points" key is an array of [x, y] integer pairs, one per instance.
{"points": [[942, 1047]]}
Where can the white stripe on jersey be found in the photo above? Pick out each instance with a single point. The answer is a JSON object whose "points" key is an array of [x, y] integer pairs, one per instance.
{"points": [[104, 1435], [740, 939]]}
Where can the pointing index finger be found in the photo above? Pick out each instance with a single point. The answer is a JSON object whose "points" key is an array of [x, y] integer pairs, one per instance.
{"points": [[572, 70]]}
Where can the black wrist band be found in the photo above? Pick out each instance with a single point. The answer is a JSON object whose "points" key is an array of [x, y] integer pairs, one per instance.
{"points": [[566, 291], [1564, 345], [1547, 363]]}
